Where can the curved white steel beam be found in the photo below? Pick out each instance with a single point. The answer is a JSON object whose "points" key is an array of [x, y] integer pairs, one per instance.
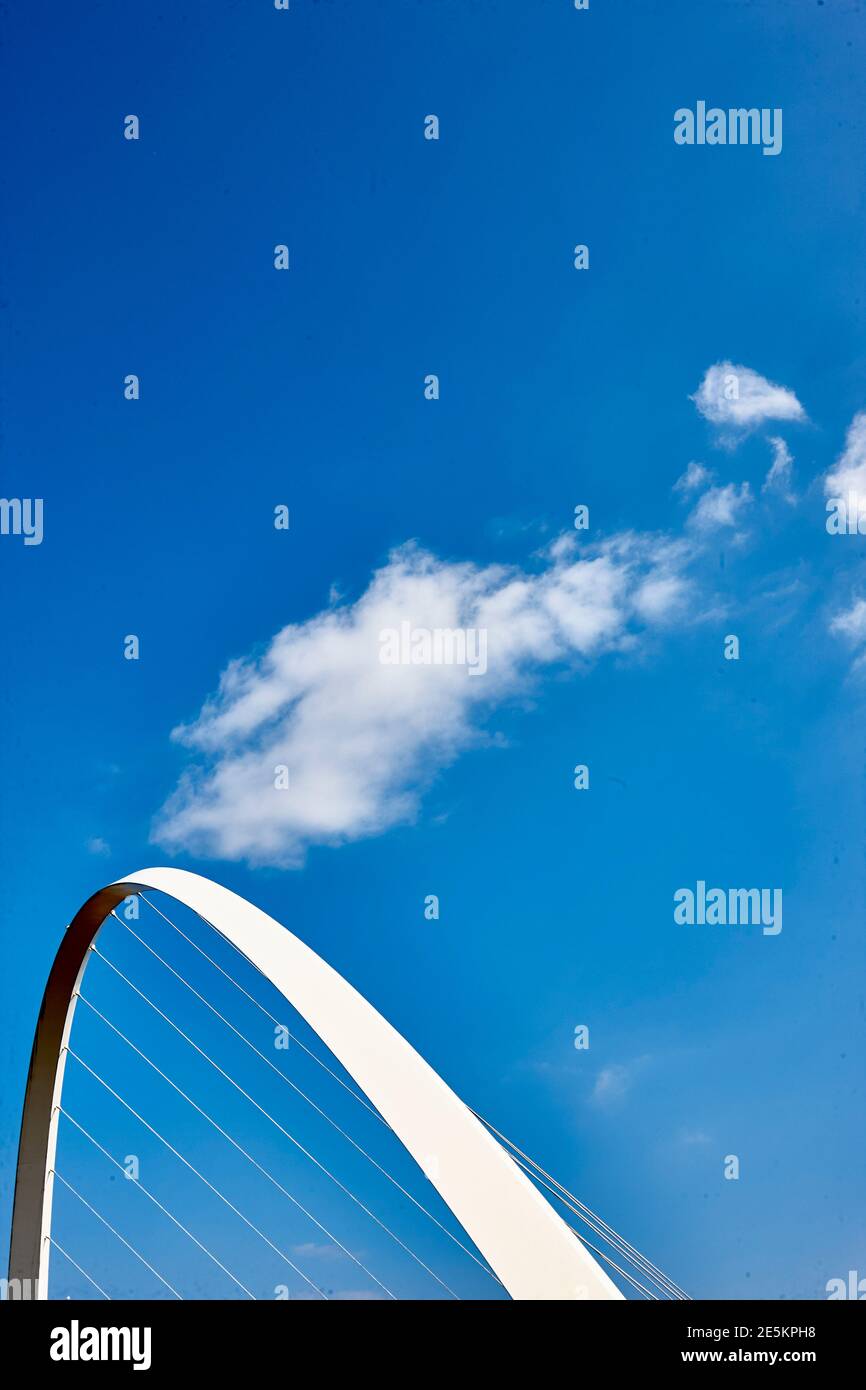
{"points": [[530, 1248]]}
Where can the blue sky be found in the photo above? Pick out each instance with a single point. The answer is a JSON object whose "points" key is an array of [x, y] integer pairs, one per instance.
{"points": [[558, 387]]}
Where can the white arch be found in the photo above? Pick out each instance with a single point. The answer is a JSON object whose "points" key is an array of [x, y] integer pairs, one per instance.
{"points": [[531, 1249]]}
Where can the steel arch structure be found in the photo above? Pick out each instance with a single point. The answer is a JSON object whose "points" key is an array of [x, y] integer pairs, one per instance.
{"points": [[530, 1248]]}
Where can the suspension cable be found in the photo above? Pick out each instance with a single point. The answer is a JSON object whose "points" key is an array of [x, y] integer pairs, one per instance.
{"points": [[289, 1082], [352, 1092], [276, 1123], [626, 1249], [58, 1246], [236, 1145], [583, 1240], [199, 1175], [140, 1185], [122, 1239], [644, 1264]]}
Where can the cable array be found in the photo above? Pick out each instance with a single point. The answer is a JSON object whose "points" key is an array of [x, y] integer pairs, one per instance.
{"points": [[634, 1268]]}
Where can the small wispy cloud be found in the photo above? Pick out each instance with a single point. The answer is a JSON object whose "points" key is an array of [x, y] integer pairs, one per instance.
{"points": [[721, 507], [850, 623], [848, 473], [96, 845], [780, 474], [850, 626], [739, 398], [846, 479], [614, 1081], [695, 477]]}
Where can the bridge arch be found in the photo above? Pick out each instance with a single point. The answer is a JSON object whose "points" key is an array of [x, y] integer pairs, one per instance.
{"points": [[531, 1249]]}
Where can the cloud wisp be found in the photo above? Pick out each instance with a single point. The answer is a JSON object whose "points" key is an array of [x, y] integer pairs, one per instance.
{"points": [[845, 488], [740, 399], [695, 477], [615, 1080], [848, 474], [360, 740], [850, 625], [781, 471], [721, 507], [851, 622]]}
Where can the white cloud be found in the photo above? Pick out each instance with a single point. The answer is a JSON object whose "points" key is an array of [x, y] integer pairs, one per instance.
{"points": [[611, 1083], [849, 471], [739, 397], [696, 476], [96, 845], [616, 1080], [778, 479], [721, 506], [851, 623], [361, 739]]}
